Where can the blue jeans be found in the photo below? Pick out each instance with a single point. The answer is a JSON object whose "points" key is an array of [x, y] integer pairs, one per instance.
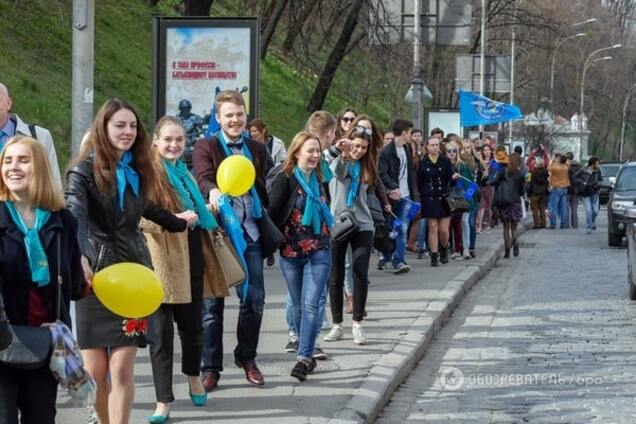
{"points": [[591, 205], [306, 294], [401, 212], [289, 307], [472, 222], [248, 328], [421, 234], [558, 205]]}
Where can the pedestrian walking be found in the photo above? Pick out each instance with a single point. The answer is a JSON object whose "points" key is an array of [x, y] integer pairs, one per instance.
{"points": [[559, 183], [298, 207], [573, 193], [538, 192], [587, 180], [487, 191], [114, 177]]}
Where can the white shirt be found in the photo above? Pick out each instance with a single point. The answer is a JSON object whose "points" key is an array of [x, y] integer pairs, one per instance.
{"points": [[404, 173]]}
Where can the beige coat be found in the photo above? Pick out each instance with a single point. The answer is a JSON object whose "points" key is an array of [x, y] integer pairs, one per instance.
{"points": [[171, 261]]}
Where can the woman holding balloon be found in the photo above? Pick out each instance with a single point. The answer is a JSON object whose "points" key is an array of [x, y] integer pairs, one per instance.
{"points": [[178, 260], [298, 207], [109, 187]]}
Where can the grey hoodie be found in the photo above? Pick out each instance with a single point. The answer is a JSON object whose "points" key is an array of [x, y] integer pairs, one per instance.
{"points": [[339, 187]]}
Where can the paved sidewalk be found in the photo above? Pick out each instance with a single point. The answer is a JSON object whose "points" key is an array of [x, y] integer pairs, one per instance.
{"points": [[354, 383]]}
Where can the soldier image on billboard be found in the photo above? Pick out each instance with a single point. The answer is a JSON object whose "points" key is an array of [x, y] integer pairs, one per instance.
{"points": [[193, 125]]}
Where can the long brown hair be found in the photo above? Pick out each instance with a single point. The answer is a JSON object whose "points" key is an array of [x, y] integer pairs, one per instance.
{"points": [[169, 200], [105, 154], [43, 191], [377, 139], [514, 164], [297, 143], [369, 161]]}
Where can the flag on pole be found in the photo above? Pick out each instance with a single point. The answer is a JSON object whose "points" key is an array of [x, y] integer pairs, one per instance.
{"points": [[480, 110]]}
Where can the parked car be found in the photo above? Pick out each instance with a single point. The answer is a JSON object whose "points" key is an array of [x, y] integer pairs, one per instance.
{"points": [[608, 172], [630, 215], [622, 197]]}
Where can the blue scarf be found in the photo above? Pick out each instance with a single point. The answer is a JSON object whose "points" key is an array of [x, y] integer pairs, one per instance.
{"points": [[327, 174], [38, 262], [233, 229], [353, 171], [126, 174], [182, 181], [316, 210], [258, 209]]}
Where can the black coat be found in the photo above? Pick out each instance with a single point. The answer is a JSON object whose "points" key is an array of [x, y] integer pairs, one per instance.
{"points": [[106, 234], [539, 182], [434, 179], [15, 274], [389, 169]]}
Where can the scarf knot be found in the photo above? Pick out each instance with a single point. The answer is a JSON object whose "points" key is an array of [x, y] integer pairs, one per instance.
{"points": [[316, 210], [126, 174], [354, 171]]}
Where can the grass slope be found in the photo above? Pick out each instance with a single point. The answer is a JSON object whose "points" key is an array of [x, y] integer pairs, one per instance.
{"points": [[36, 67]]}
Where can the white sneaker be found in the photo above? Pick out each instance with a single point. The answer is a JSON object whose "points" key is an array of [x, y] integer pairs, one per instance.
{"points": [[359, 337], [336, 333]]}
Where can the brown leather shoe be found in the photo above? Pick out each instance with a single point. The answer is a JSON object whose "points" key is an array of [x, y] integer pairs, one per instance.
{"points": [[210, 380], [252, 373]]}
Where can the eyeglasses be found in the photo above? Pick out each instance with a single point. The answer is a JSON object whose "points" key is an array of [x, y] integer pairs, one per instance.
{"points": [[360, 129], [451, 150], [347, 119]]}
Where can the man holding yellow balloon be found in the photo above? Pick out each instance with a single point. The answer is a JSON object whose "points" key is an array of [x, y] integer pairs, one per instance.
{"points": [[246, 194]]}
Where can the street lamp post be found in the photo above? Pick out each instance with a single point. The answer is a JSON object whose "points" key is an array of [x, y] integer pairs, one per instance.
{"points": [[558, 44], [627, 99], [416, 84], [513, 53], [585, 67]]}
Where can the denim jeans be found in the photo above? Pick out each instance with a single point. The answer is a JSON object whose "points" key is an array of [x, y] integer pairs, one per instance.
{"points": [[465, 230], [558, 205], [348, 282], [573, 204], [421, 234], [306, 294], [248, 328], [289, 307], [472, 222], [401, 212], [591, 205]]}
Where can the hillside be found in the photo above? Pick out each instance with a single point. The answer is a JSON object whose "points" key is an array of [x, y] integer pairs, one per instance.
{"points": [[37, 68]]}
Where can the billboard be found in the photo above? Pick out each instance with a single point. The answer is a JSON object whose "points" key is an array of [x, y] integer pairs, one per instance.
{"points": [[446, 119], [497, 73], [195, 58]]}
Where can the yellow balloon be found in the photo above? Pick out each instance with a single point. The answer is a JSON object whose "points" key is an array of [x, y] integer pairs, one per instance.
{"points": [[235, 175], [128, 289]]}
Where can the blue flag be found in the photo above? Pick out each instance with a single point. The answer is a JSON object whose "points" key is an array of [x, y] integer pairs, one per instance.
{"points": [[480, 110], [233, 229], [470, 192]]}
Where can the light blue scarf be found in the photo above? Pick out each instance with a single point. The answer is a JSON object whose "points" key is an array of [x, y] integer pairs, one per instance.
{"points": [[182, 181], [38, 262], [126, 174], [327, 175], [353, 171], [258, 209], [316, 210]]}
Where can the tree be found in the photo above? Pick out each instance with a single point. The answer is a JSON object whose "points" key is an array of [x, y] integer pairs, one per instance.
{"points": [[197, 7], [296, 23], [335, 57], [272, 22]]}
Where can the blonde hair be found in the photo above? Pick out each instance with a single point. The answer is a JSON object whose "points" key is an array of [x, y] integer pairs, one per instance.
{"points": [[297, 143], [320, 123], [43, 191]]}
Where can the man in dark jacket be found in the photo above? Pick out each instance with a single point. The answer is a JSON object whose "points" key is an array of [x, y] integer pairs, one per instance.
{"points": [[573, 195], [206, 158], [538, 192], [587, 182], [397, 173]]}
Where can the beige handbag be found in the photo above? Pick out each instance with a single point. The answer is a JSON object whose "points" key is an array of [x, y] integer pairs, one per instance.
{"points": [[222, 267]]}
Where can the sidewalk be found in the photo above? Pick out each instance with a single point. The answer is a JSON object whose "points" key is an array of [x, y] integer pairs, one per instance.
{"points": [[354, 383]]}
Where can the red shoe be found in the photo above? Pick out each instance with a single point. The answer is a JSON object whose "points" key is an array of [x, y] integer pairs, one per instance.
{"points": [[210, 380], [252, 373]]}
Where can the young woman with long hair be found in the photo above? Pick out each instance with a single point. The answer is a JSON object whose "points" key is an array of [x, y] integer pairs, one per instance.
{"points": [[471, 174], [345, 120], [109, 187], [355, 171], [434, 176], [298, 207], [459, 224], [487, 191], [178, 261], [34, 228]]}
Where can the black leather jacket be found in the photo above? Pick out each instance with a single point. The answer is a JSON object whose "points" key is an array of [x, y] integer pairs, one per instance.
{"points": [[106, 234]]}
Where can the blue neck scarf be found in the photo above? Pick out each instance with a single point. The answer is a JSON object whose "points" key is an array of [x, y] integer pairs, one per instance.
{"points": [[258, 208], [38, 262], [353, 171], [126, 175], [316, 210], [327, 175], [182, 181]]}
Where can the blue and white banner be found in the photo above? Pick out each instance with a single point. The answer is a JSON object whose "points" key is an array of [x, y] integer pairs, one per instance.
{"points": [[480, 110]]}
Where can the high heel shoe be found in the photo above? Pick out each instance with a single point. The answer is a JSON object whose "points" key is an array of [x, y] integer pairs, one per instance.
{"points": [[198, 400], [158, 418]]}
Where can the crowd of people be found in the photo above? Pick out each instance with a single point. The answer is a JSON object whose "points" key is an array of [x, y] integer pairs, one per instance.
{"points": [[341, 190]]}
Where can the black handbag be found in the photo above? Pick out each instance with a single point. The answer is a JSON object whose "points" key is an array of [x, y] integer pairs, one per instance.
{"points": [[457, 203], [506, 193], [271, 237], [375, 207], [382, 242], [32, 346], [345, 224]]}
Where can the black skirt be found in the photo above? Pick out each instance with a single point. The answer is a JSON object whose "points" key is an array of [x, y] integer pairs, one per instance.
{"points": [[435, 207]]}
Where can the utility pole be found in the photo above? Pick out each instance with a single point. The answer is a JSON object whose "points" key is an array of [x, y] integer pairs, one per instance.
{"points": [[482, 59], [625, 105], [513, 52], [416, 84], [82, 73]]}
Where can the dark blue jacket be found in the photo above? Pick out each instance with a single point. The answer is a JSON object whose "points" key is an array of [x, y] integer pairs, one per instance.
{"points": [[15, 275]]}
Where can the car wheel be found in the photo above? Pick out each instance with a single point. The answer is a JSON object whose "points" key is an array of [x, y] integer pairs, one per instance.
{"points": [[613, 239]]}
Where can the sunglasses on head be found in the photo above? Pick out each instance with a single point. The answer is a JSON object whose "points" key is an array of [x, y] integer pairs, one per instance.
{"points": [[347, 119], [360, 129]]}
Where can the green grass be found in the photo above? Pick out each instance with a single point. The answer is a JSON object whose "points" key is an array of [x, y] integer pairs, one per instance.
{"points": [[36, 67]]}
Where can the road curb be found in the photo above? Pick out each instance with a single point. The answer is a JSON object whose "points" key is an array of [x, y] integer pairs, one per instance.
{"points": [[392, 368]]}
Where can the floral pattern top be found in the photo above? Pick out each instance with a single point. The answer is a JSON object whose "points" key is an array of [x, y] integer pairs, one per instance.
{"points": [[300, 240]]}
